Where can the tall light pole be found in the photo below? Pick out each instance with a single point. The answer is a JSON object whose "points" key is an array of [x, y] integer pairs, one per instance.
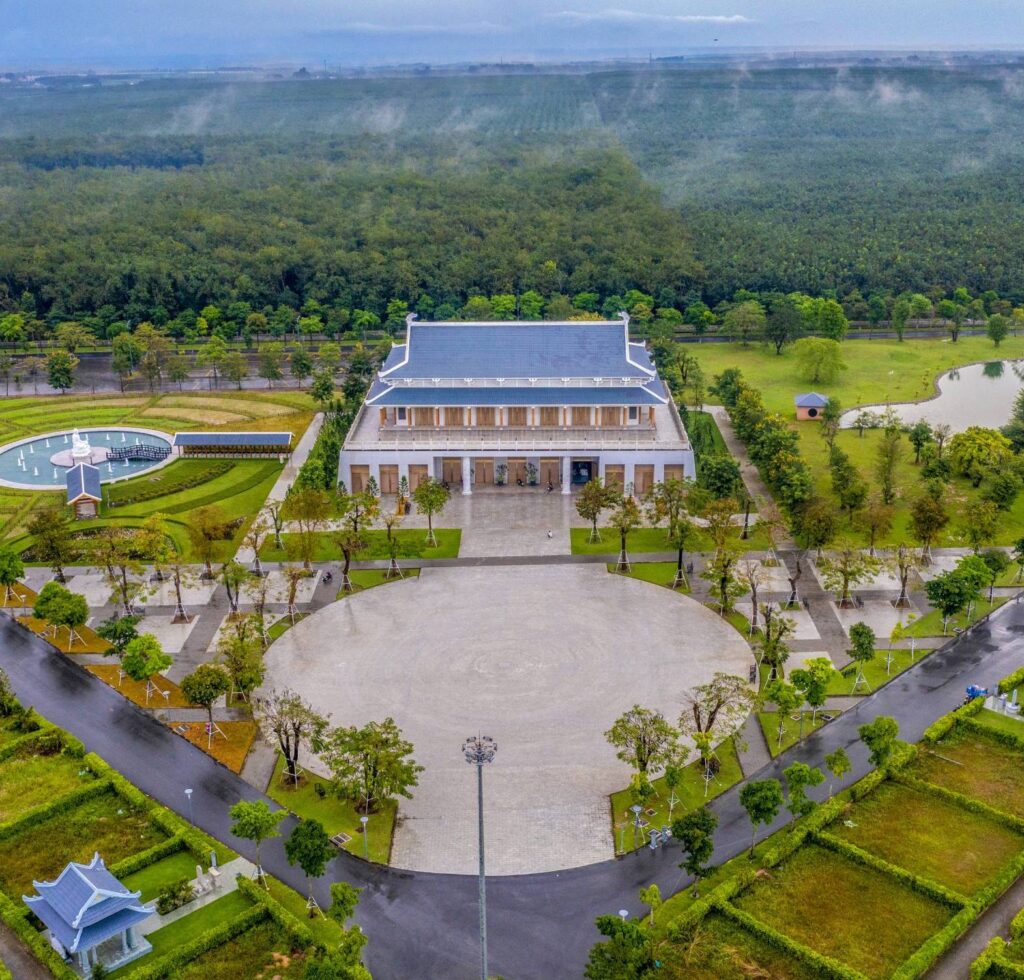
{"points": [[188, 796], [479, 751]]}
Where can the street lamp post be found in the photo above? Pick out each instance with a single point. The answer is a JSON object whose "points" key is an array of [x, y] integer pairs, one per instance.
{"points": [[479, 751], [364, 820], [188, 796]]}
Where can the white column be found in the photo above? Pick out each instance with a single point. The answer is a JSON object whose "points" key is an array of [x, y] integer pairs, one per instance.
{"points": [[659, 472], [566, 475], [630, 476], [467, 475], [600, 467], [403, 470], [375, 473], [124, 942]]}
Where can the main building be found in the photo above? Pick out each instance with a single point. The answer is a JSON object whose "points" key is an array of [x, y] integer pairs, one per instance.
{"points": [[481, 404]]}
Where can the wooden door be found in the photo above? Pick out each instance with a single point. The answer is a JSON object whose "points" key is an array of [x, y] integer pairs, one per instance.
{"points": [[549, 472], [423, 417], [417, 474], [451, 470], [550, 416], [485, 417], [389, 479], [517, 417], [674, 472], [581, 415], [360, 474], [615, 476], [516, 471], [483, 472], [643, 479]]}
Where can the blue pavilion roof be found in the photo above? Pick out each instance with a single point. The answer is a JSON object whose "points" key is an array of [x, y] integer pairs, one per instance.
{"points": [[279, 439], [811, 400], [518, 349], [86, 905], [383, 395], [83, 480]]}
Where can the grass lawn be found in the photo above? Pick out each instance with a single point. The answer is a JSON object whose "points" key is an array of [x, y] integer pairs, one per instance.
{"points": [[690, 793], [874, 672], [975, 765], [135, 691], [231, 750], [930, 624], [860, 916], [412, 543], [1000, 723], [336, 816], [27, 780], [930, 837], [187, 928], [23, 597], [263, 951], [87, 641], [369, 578], [107, 824], [283, 625], [647, 540], [790, 729], [325, 930], [166, 871], [656, 572], [720, 949]]}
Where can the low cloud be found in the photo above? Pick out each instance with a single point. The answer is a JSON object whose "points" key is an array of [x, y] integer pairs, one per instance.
{"points": [[373, 27], [617, 15]]}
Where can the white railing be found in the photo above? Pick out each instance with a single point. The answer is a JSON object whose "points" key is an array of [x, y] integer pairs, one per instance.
{"points": [[510, 439]]}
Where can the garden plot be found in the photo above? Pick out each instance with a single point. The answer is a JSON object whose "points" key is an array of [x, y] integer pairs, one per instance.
{"points": [[28, 779], [860, 916], [930, 837], [975, 765]]}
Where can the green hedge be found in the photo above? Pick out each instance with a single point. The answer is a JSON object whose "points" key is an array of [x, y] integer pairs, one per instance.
{"points": [[935, 946], [916, 883], [53, 808], [1000, 817], [940, 728], [254, 479], [15, 916], [198, 843], [5, 974], [988, 958], [1015, 742], [298, 932], [143, 859], [1011, 681], [825, 966], [1017, 925], [123, 495], [217, 936]]}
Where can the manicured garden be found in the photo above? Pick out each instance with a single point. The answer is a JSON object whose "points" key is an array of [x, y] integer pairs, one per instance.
{"points": [[412, 543], [369, 578], [655, 572], [877, 671], [795, 726], [653, 540]]}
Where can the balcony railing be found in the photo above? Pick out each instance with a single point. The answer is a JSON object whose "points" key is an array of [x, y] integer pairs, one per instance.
{"points": [[508, 439]]}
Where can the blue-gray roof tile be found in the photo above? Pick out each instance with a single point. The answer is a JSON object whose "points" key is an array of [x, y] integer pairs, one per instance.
{"points": [[651, 394], [281, 439], [83, 480]]}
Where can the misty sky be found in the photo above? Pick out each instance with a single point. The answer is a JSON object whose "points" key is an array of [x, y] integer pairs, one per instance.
{"points": [[175, 33]]}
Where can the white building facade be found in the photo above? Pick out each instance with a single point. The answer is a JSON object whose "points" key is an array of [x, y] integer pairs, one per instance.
{"points": [[484, 404]]}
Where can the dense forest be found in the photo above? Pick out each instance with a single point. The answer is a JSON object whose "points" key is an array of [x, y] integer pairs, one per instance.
{"points": [[138, 202]]}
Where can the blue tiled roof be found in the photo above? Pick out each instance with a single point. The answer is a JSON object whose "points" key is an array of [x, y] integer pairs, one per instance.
{"points": [[83, 480], [583, 349], [86, 905], [811, 400], [651, 394], [282, 439]]}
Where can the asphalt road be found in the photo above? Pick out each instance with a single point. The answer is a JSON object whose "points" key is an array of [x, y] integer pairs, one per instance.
{"points": [[423, 925]]}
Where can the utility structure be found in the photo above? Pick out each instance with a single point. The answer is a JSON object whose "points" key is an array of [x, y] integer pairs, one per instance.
{"points": [[478, 751]]}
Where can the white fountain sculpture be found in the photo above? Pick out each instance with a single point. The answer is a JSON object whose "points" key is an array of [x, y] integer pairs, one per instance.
{"points": [[80, 448], [35, 471]]}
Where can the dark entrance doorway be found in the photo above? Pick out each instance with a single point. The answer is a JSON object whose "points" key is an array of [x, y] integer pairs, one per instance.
{"points": [[582, 471]]}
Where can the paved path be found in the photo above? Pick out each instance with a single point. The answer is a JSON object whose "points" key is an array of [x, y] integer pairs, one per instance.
{"points": [[18, 959], [541, 926]]}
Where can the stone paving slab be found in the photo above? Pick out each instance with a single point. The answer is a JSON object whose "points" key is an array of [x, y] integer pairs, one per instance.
{"points": [[879, 614], [93, 586], [172, 636], [194, 594]]}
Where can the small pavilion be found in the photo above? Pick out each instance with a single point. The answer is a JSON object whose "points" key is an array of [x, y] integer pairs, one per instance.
{"points": [[810, 406], [84, 491], [86, 910]]}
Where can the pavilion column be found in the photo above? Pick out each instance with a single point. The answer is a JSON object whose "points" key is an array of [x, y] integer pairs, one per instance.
{"points": [[467, 475], [124, 942], [566, 474], [630, 477], [83, 960]]}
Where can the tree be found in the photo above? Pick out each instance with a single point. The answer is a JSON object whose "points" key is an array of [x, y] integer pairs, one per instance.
{"points": [[876, 518], [322, 389], [862, 651], [310, 509], [60, 370], [772, 646], [812, 680], [118, 632], [125, 354], [234, 575], [255, 537], [272, 363], [370, 765], [950, 593], [718, 707], [838, 765], [626, 953], [202, 687], [593, 499], [720, 475], [744, 321], [430, 498], [903, 561], [799, 776], [143, 657], [667, 501], [927, 518], [301, 365], [11, 570], [889, 454], [820, 360], [212, 356], [976, 451], [784, 323], [720, 572], [845, 569], [254, 820], [786, 699], [695, 832], [626, 517], [997, 563], [291, 721], [998, 328], [920, 436], [310, 848], [118, 551], [177, 368], [816, 524], [61, 609], [235, 367], [980, 522], [651, 897], [880, 738], [644, 739], [899, 316], [762, 799], [207, 526], [240, 651], [751, 576], [1018, 556]]}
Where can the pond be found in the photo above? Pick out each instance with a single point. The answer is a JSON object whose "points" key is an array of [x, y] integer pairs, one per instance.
{"points": [[42, 462], [978, 394]]}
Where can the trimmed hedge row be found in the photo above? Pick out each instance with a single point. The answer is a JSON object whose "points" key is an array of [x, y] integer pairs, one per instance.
{"points": [[935, 946], [826, 966], [940, 728], [1015, 742], [1011, 681], [969, 803], [923, 886], [126, 497], [298, 932], [53, 808], [126, 790], [143, 859], [254, 479], [15, 917], [184, 955]]}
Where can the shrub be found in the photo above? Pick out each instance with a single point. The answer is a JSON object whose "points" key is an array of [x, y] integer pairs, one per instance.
{"points": [[1011, 681], [174, 895], [143, 859]]}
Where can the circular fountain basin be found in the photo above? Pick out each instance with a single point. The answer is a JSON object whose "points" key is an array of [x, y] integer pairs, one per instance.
{"points": [[42, 462]]}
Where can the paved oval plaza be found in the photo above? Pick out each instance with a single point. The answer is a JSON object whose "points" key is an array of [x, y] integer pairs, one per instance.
{"points": [[543, 659]]}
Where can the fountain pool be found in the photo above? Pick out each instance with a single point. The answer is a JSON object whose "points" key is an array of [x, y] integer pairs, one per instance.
{"points": [[42, 462]]}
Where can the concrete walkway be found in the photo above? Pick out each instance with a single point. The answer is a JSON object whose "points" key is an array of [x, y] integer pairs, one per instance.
{"points": [[18, 959], [226, 884]]}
